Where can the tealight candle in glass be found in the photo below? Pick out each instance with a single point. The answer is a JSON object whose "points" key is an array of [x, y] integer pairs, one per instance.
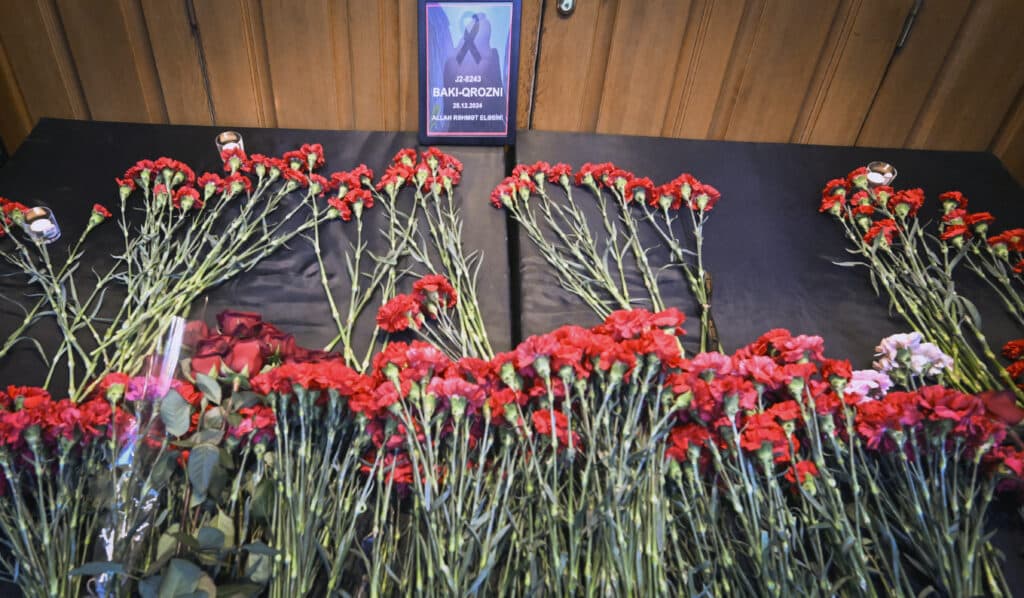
{"points": [[880, 173], [228, 140], [40, 225]]}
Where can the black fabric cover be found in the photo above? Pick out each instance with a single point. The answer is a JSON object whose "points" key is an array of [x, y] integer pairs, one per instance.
{"points": [[69, 165]]}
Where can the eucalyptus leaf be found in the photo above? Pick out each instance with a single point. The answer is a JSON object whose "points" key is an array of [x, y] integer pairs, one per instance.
{"points": [[180, 579], [259, 548], [227, 526], [239, 590], [97, 568], [258, 567], [166, 546], [210, 538], [150, 587]]}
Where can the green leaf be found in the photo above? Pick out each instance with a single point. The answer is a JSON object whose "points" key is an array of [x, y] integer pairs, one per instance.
{"points": [[202, 462], [245, 398], [213, 419], [210, 388], [972, 312], [150, 587], [210, 538], [259, 548], [258, 567], [181, 579], [176, 413], [166, 546], [97, 568], [227, 526], [206, 587], [239, 590]]}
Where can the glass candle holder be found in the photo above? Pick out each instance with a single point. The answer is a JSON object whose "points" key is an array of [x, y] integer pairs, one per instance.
{"points": [[228, 140], [40, 225], [880, 173]]}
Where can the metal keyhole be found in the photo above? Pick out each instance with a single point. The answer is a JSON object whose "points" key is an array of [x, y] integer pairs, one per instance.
{"points": [[565, 7]]}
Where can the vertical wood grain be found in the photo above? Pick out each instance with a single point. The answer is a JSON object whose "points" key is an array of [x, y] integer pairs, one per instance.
{"points": [[40, 59], [851, 70], [570, 74], [788, 40], [177, 62], [735, 67], [1009, 143], [236, 55], [301, 54], [529, 40], [15, 121], [114, 60], [645, 45], [708, 43], [975, 88], [911, 73], [373, 47], [408, 66]]}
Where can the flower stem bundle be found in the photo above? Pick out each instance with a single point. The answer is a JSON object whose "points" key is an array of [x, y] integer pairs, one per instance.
{"points": [[917, 270]]}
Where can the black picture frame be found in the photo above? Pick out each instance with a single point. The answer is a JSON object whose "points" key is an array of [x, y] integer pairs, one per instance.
{"points": [[474, 118]]}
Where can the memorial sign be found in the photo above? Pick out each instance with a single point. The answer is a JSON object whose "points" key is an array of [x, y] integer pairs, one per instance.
{"points": [[469, 53]]}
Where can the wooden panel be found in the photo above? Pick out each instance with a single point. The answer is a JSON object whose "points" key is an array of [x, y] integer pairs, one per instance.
{"points": [[975, 88], [787, 44], [911, 73], [634, 97], [408, 66], [373, 48], [15, 122], [861, 43], [529, 39], [177, 62], [570, 74], [1009, 144], [299, 44], [233, 43], [708, 42], [37, 50], [116, 67]]}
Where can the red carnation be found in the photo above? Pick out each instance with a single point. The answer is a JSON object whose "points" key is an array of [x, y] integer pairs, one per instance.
{"points": [[542, 422], [802, 471], [951, 198], [886, 228], [433, 291], [398, 314]]}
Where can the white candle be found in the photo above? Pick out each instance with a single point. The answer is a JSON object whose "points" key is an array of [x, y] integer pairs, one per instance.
{"points": [[41, 226], [876, 178]]}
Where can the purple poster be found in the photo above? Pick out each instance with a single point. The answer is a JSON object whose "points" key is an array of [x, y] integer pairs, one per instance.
{"points": [[468, 61]]}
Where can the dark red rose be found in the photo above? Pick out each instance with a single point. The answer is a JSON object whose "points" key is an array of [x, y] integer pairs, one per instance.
{"points": [[195, 331], [240, 324], [245, 356]]}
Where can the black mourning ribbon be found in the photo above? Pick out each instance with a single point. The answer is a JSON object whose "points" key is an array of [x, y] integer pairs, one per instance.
{"points": [[468, 36]]}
